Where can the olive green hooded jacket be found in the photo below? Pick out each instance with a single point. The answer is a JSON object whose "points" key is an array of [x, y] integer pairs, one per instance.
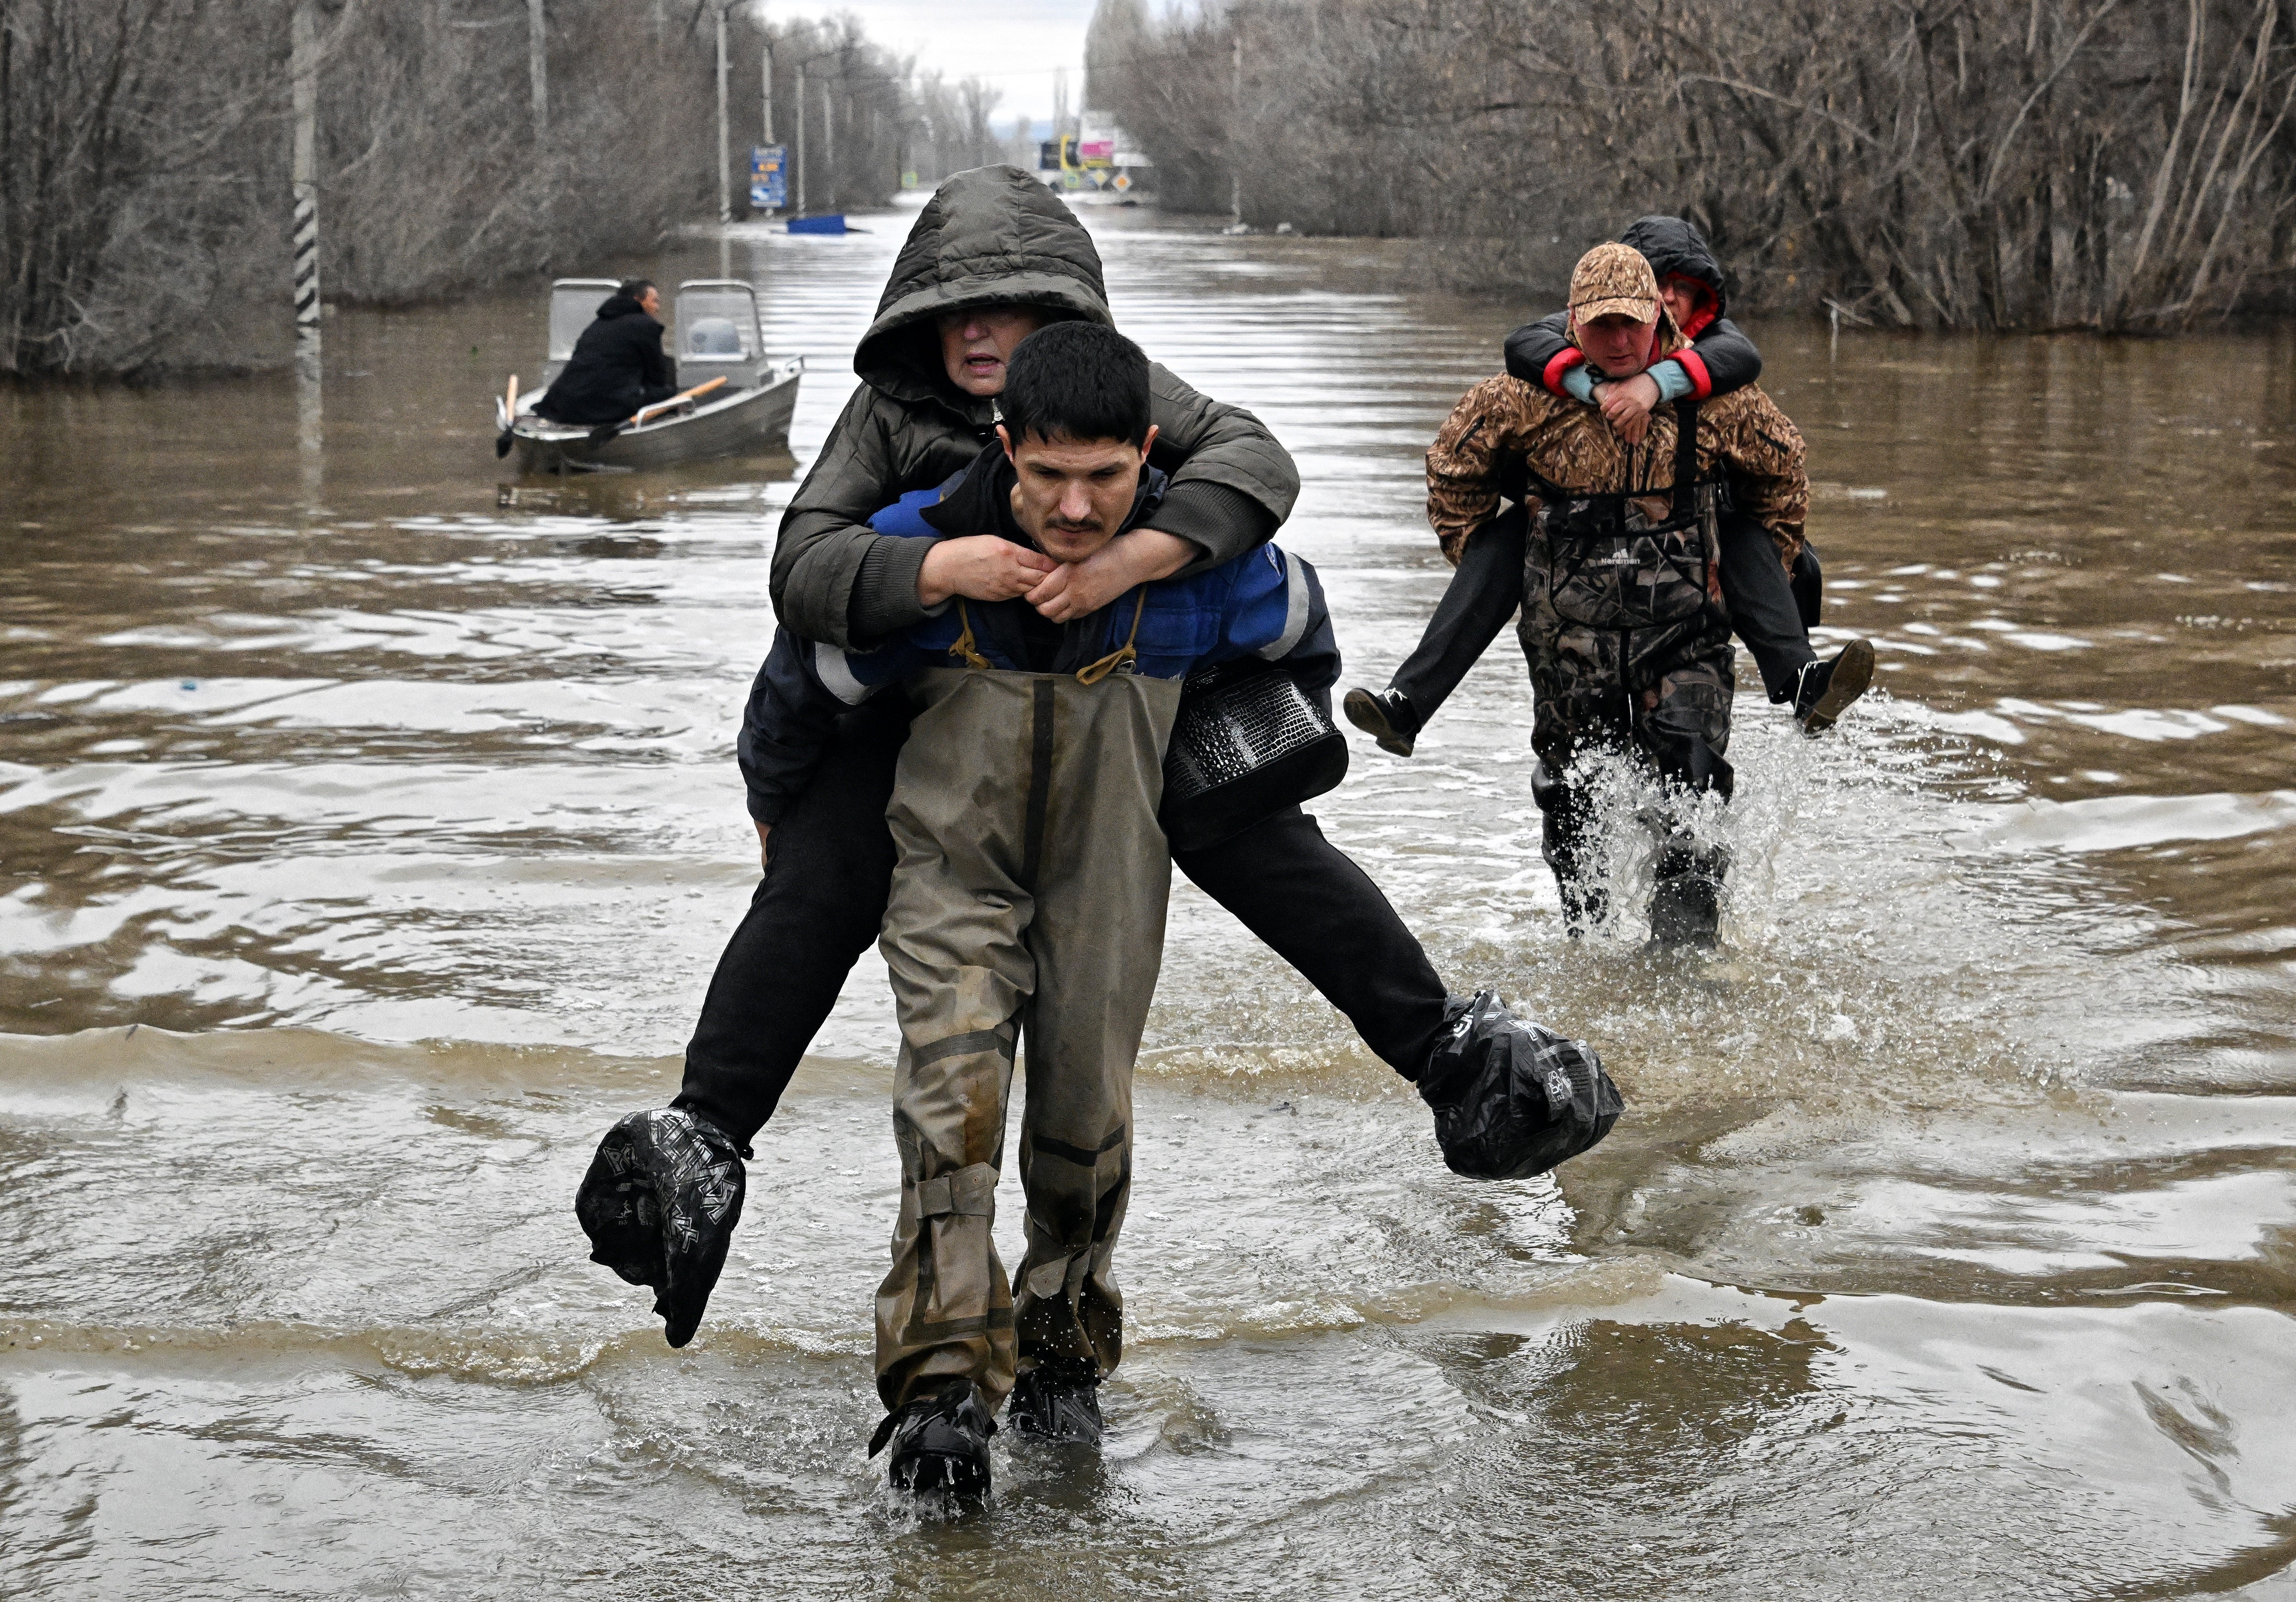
{"points": [[992, 235]]}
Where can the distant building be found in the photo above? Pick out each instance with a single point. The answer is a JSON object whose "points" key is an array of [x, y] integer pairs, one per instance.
{"points": [[1098, 164]]}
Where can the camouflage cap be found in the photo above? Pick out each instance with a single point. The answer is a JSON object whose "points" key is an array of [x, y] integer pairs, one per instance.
{"points": [[1613, 280]]}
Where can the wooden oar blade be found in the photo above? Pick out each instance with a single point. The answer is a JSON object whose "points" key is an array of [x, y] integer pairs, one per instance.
{"points": [[510, 419]]}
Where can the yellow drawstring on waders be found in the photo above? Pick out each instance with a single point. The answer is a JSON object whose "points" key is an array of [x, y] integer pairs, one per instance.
{"points": [[1116, 659], [964, 650]]}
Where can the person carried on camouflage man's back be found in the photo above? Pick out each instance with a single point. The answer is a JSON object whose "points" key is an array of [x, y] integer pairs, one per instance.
{"points": [[1770, 610], [1622, 620]]}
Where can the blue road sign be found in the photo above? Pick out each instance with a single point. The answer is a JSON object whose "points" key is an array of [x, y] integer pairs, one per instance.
{"points": [[769, 177]]}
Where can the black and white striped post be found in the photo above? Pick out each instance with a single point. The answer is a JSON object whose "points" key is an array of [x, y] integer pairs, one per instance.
{"points": [[303, 72], [304, 67]]}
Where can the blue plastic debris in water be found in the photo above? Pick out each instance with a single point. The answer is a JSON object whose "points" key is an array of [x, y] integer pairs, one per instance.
{"points": [[191, 684], [832, 223]]}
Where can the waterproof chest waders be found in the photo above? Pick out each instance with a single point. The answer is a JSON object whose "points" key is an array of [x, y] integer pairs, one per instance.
{"points": [[1630, 647], [1027, 906]]}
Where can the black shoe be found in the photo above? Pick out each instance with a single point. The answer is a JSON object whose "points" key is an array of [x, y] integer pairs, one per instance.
{"points": [[1826, 689], [1046, 1408], [1386, 717], [940, 1443]]}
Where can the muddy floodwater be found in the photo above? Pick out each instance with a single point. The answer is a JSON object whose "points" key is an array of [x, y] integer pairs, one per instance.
{"points": [[367, 834]]}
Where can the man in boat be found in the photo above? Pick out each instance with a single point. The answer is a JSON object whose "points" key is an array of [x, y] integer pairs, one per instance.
{"points": [[617, 365], [1622, 620], [992, 256]]}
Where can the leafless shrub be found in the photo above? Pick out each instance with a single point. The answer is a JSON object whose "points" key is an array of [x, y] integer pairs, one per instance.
{"points": [[432, 178], [1990, 163], [144, 182], [129, 209]]}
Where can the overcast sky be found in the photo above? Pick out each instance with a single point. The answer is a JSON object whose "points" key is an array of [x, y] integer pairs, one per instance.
{"points": [[1013, 44]]}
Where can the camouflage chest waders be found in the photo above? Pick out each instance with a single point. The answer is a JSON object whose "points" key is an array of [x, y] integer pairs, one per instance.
{"points": [[1630, 647], [1028, 903]]}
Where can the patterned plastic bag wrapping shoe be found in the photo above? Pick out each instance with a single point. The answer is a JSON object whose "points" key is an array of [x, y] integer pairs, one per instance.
{"points": [[1513, 1098], [660, 1204]]}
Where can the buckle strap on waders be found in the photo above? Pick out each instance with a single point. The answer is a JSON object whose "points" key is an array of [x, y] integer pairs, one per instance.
{"points": [[968, 1192], [1686, 459], [1685, 507], [964, 650], [1116, 659]]}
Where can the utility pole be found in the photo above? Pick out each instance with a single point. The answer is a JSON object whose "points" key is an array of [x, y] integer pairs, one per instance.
{"points": [[1235, 133], [303, 67], [829, 140], [766, 71], [537, 67], [800, 138], [724, 149]]}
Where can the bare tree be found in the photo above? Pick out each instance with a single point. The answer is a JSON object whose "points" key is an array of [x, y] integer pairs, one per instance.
{"points": [[132, 221], [954, 127], [860, 110], [978, 101], [1991, 163], [143, 159]]}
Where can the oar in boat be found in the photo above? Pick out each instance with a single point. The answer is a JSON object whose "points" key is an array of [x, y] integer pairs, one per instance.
{"points": [[511, 419], [606, 430], [510, 416]]}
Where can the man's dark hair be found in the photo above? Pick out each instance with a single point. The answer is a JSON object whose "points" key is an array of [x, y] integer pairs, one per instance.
{"points": [[634, 288], [1076, 381]]}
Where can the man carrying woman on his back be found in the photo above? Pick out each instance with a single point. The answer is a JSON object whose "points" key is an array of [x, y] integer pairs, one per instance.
{"points": [[1772, 605], [993, 258], [1639, 496]]}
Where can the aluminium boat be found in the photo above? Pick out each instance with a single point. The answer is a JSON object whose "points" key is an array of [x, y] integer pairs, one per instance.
{"points": [[716, 336]]}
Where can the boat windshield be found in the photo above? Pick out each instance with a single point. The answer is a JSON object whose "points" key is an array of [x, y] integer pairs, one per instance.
{"points": [[574, 304], [717, 322]]}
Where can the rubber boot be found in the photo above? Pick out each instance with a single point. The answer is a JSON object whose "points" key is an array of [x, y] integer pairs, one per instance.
{"points": [[1686, 904], [1048, 1405], [1563, 821], [941, 1443]]}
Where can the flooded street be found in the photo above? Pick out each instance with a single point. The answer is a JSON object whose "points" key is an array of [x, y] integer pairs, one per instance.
{"points": [[367, 836]]}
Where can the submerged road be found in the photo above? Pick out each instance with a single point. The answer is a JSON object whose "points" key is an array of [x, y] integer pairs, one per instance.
{"points": [[365, 845]]}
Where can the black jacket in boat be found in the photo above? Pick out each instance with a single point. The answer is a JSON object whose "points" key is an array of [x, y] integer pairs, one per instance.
{"points": [[618, 366], [992, 235]]}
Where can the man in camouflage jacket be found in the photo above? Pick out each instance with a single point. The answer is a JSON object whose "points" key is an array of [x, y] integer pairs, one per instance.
{"points": [[1623, 619]]}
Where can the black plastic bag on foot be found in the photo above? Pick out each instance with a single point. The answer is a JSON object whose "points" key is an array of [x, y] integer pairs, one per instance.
{"points": [[1513, 1098], [660, 1204]]}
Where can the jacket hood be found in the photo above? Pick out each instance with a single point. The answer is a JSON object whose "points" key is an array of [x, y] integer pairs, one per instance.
{"points": [[992, 235], [619, 305], [1674, 245]]}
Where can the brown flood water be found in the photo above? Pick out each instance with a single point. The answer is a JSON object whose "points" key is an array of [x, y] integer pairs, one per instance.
{"points": [[365, 845]]}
